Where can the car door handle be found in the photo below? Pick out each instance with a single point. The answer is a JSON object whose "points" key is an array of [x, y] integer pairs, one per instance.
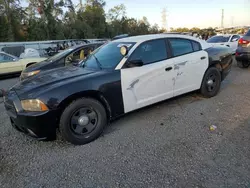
{"points": [[203, 57], [168, 68]]}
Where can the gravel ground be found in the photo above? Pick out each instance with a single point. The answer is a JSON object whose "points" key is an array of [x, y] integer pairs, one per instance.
{"points": [[164, 145]]}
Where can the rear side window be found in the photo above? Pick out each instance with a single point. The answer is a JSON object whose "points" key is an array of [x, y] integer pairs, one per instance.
{"points": [[218, 39], [181, 46], [150, 52], [235, 38], [196, 46]]}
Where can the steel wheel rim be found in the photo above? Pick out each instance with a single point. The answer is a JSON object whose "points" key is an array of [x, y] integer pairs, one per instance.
{"points": [[83, 121], [211, 82]]}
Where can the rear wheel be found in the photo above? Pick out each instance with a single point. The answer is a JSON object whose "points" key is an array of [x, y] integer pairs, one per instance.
{"points": [[243, 64], [211, 82], [83, 121]]}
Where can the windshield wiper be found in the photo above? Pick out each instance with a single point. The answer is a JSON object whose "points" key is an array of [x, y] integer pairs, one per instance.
{"points": [[98, 62]]}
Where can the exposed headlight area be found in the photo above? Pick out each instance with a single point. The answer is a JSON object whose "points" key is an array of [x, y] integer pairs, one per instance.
{"points": [[29, 74], [34, 105]]}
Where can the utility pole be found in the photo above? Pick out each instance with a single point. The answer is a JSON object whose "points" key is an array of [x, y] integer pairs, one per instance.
{"points": [[222, 18], [164, 19]]}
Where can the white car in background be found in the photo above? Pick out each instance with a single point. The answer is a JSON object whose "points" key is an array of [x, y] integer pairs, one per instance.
{"points": [[10, 64], [230, 40]]}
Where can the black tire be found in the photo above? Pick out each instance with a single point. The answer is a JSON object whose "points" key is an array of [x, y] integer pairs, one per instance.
{"points": [[243, 64], [70, 128], [209, 89]]}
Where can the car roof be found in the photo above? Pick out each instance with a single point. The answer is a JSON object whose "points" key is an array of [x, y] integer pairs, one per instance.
{"points": [[142, 38], [82, 45], [1, 52], [226, 35]]}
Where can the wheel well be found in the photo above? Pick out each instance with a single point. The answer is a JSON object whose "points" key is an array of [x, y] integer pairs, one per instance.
{"points": [[216, 65], [88, 94], [30, 64]]}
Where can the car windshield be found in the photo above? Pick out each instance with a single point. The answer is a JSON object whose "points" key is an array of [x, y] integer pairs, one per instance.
{"points": [[60, 54], [217, 39], [106, 57]]}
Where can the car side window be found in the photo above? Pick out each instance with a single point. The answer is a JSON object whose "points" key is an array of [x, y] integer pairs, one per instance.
{"points": [[78, 55], [196, 46], [5, 58], [235, 38], [150, 52], [180, 46]]}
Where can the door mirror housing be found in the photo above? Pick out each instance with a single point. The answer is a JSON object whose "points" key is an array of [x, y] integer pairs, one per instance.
{"points": [[134, 63]]}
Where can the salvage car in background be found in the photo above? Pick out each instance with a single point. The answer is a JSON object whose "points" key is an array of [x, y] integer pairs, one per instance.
{"points": [[228, 40], [117, 78], [10, 64], [70, 56], [242, 54]]}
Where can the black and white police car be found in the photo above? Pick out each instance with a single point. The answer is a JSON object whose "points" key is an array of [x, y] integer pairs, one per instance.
{"points": [[117, 78]]}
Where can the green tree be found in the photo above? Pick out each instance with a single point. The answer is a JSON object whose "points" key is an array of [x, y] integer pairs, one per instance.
{"points": [[117, 13], [11, 14], [59, 19], [94, 17]]}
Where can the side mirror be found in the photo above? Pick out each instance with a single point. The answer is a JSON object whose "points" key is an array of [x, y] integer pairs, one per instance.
{"points": [[134, 63]]}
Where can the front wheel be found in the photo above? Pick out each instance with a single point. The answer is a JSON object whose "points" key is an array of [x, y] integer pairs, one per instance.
{"points": [[83, 121], [211, 82], [243, 64]]}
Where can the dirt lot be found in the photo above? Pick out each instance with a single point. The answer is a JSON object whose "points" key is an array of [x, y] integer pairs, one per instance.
{"points": [[164, 145]]}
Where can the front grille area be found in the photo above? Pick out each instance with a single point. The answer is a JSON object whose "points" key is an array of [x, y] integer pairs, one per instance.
{"points": [[8, 103], [10, 107]]}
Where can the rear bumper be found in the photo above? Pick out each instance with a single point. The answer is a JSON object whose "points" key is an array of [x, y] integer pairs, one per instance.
{"points": [[242, 56]]}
